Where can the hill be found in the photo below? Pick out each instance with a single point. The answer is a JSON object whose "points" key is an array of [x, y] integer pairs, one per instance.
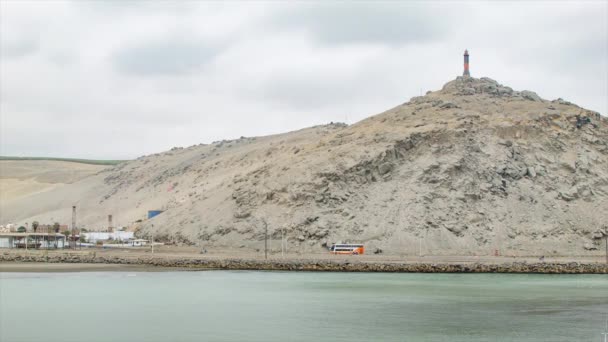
{"points": [[24, 177], [469, 169], [72, 160]]}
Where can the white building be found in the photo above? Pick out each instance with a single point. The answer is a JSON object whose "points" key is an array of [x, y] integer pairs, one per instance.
{"points": [[93, 237], [138, 242], [32, 240]]}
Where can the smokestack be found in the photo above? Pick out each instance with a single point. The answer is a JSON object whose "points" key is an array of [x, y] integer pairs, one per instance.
{"points": [[110, 223], [466, 64], [73, 227]]}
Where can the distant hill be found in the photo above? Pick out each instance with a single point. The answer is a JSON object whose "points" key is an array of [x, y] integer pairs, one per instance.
{"points": [[24, 177], [470, 169], [72, 160]]}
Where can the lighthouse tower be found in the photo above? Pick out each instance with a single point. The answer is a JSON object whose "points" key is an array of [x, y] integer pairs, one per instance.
{"points": [[466, 64]]}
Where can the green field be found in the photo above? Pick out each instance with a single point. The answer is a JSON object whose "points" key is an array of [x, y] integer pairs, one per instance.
{"points": [[73, 160]]}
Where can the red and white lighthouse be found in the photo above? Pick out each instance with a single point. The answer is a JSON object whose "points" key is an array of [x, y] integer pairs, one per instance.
{"points": [[466, 63]]}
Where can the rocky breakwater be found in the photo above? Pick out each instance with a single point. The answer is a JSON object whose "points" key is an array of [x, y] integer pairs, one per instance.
{"points": [[310, 265]]}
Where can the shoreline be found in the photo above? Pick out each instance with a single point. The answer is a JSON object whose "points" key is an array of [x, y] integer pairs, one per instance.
{"points": [[44, 267], [91, 262]]}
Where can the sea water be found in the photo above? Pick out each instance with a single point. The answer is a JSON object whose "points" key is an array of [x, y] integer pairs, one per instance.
{"points": [[306, 306]]}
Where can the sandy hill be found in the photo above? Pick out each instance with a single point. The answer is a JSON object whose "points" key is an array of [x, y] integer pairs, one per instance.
{"points": [[22, 178], [471, 168]]}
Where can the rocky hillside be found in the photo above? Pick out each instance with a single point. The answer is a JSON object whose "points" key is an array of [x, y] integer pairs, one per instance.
{"points": [[472, 168]]}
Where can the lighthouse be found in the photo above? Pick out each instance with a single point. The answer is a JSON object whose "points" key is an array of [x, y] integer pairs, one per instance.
{"points": [[466, 64]]}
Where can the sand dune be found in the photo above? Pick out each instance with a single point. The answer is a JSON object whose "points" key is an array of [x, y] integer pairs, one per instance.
{"points": [[23, 178]]}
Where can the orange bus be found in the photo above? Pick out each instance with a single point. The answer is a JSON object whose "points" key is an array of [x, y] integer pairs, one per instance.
{"points": [[347, 248]]}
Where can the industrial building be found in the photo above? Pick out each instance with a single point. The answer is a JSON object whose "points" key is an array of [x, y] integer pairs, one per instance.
{"points": [[32, 240], [93, 237]]}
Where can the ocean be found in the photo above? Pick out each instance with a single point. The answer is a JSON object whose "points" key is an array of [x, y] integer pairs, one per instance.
{"points": [[301, 306]]}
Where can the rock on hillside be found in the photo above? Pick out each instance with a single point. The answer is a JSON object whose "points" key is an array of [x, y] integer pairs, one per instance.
{"points": [[472, 168]]}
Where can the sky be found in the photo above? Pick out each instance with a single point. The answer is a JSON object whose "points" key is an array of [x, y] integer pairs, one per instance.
{"points": [[122, 79]]}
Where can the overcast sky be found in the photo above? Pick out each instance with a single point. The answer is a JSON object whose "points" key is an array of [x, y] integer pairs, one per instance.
{"points": [[116, 79]]}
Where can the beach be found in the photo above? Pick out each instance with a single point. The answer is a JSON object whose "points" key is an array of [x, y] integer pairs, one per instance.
{"points": [[44, 267]]}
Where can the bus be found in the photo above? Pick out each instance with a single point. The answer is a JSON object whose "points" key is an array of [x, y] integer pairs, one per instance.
{"points": [[347, 248]]}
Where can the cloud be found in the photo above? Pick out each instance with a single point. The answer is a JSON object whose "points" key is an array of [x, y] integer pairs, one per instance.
{"points": [[134, 7], [17, 38], [390, 23], [19, 48], [173, 56]]}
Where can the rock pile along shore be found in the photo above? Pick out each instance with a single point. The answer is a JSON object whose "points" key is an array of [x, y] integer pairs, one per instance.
{"points": [[314, 265]]}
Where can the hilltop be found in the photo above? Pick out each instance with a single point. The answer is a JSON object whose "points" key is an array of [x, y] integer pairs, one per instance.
{"points": [[468, 169]]}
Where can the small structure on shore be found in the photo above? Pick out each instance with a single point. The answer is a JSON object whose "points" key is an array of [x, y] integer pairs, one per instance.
{"points": [[138, 243]]}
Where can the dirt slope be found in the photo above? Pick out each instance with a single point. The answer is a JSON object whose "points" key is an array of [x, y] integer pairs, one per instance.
{"points": [[469, 169], [23, 178]]}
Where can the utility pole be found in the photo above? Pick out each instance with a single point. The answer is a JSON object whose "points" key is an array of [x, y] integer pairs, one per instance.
{"points": [[265, 239], [282, 242], [74, 226], [152, 242]]}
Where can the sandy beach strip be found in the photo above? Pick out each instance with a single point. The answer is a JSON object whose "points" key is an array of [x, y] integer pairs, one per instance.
{"points": [[43, 267]]}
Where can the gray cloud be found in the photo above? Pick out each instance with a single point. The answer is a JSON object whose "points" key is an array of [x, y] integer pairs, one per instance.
{"points": [[369, 22], [311, 92], [165, 57], [19, 48], [136, 7]]}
